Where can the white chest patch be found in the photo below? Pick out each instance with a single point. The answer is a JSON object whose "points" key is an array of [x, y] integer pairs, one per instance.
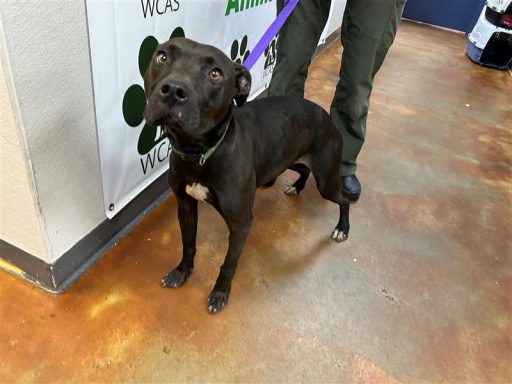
{"points": [[197, 191]]}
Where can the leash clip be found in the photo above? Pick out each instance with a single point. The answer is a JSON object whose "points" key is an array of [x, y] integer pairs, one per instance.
{"points": [[202, 160]]}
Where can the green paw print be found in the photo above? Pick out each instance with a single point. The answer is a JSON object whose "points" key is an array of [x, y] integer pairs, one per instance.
{"points": [[239, 49], [134, 100]]}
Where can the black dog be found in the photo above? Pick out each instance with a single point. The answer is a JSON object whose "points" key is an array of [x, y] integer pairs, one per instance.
{"points": [[222, 152]]}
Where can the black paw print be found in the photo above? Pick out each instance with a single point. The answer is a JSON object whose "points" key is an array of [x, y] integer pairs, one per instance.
{"points": [[239, 49], [134, 100]]}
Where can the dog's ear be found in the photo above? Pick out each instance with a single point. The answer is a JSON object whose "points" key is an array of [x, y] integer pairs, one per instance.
{"points": [[242, 85]]}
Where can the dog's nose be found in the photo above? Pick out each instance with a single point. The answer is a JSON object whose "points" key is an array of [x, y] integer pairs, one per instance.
{"points": [[173, 90]]}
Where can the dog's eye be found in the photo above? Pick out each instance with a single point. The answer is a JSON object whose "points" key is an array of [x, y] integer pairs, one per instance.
{"points": [[215, 74], [161, 58]]}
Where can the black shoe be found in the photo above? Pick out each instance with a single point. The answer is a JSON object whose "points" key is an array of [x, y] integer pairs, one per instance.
{"points": [[351, 187]]}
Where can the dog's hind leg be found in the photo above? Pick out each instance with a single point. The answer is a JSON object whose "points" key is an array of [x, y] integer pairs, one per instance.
{"points": [[187, 216], [298, 185], [340, 233], [270, 183], [329, 185], [332, 191]]}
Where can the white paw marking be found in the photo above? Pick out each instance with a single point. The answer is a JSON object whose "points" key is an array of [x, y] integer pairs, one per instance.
{"points": [[197, 191], [338, 235], [291, 190]]}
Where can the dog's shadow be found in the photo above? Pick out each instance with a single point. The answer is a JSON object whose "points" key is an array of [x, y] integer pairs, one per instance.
{"points": [[289, 232], [280, 262]]}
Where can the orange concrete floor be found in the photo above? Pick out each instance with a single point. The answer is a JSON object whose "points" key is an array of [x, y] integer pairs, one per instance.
{"points": [[421, 291]]}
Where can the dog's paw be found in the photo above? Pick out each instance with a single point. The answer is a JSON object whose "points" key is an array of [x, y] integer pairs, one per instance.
{"points": [[174, 279], [291, 190], [338, 235], [217, 301]]}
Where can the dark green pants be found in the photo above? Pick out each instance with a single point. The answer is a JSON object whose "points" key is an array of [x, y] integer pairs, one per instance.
{"points": [[367, 31]]}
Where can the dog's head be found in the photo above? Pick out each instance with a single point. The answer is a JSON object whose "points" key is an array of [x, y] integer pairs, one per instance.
{"points": [[190, 86]]}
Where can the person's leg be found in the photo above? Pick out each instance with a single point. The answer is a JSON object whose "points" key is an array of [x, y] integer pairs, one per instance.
{"points": [[296, 45], [368, 30]]}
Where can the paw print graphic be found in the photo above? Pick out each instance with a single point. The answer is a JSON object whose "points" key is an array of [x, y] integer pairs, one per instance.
{"points": [[239, 52], [270, 53], [134, 100]]}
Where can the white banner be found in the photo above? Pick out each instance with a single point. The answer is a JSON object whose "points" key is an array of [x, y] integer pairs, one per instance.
{"points": [[123, 35]]}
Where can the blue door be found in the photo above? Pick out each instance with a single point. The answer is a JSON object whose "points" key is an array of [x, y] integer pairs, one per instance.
{"points": [[454, 14]]}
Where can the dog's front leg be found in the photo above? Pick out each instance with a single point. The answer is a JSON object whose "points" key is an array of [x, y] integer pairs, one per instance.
{"points": [[219, 296], [187, 216], [237, 212]]}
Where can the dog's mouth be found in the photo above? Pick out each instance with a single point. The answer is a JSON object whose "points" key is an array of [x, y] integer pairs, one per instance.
{"points": [[172, 121], [175, 122], [159, 113]]}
